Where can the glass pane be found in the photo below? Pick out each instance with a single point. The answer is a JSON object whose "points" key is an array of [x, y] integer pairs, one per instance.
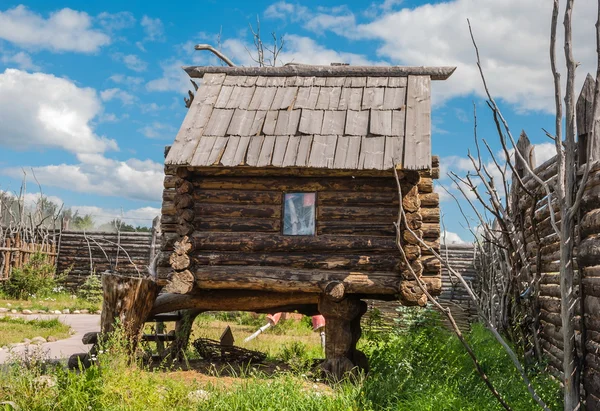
{"points": [[299, 214]]}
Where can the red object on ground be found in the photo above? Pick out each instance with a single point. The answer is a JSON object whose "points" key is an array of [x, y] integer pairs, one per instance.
{"points": [[318, 322], [273, 318]]}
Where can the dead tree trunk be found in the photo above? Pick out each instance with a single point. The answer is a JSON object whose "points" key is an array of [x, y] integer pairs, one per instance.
{"points": [[128, 302]]}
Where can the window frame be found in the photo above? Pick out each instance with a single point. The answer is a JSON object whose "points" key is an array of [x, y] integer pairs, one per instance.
{"points": [[282, 230]]}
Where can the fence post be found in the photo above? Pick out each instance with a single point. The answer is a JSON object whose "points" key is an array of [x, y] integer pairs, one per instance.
{"points": [[585, 122]]}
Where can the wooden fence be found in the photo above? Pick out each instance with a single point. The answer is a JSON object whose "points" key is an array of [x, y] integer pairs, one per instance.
{"points": [[454, 295], [543, 252], [15, 253], [81, 254]]}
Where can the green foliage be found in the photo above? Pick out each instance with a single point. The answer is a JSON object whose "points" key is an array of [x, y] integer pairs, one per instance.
{"points": [[423, 366], [16, 329], [83, 223], [36, 278], [91, 289]]}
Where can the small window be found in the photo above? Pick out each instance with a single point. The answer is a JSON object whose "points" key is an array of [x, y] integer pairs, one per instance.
{"points": [[299, 214]]}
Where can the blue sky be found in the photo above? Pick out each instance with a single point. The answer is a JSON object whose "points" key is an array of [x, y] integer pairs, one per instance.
{"points": [[90, 93]]}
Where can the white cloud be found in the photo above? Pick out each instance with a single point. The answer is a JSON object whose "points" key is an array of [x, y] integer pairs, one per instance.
{"points": [[153, 28], [116, 93], [96, 174], [544, 152], [158, 130], [63, 30], [151, 108], [449, 237], [116, 21], [126, 80], [173, 78], [131, 61], [41, 110], [512, 35], [21, 60]]}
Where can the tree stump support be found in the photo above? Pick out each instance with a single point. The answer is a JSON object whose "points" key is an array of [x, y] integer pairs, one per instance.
{"points": [[342, 332], [129, 301], [183, 330]]}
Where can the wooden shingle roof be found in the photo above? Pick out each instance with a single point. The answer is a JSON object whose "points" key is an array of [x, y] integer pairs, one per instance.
{"points": [[339, 117]]}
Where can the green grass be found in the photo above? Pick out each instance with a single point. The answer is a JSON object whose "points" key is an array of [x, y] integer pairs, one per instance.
{"points": [[418, 367], [14, 330], [54, 301]]}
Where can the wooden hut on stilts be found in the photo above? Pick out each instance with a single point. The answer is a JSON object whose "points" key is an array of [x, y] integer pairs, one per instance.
{"points": [[280, 195]]}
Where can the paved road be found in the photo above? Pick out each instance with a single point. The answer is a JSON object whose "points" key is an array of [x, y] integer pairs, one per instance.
{"points": [[80, 323]]}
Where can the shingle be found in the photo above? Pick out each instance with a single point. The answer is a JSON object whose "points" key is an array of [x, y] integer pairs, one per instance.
{"points": [[357, 123], [333, 122], [377, 81], [397, 82], [281, 143], [218, 123], [322, 151], [270, 122], [224, 96], [241, 123], [258, 122], [311, 121], [287, 122], [329, 98], [240, 97], [284, 98], [307, 97], [275, 82], [398, 122], [350, 99], [394, 98], [381, 122], [373, 98], [262, 98], [335, 81]]}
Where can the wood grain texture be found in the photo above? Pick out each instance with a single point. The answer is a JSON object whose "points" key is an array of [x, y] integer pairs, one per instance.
{"points": [[417, 143]]}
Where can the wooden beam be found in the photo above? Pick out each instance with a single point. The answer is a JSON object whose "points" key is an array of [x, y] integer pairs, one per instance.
{"points": [[436, 73]]}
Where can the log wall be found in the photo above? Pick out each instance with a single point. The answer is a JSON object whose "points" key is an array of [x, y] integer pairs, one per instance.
{"points": [[453, 295], [230, 223], [545, 254], [80, 254]]}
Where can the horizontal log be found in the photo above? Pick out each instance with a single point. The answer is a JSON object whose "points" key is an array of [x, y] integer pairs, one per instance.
{"points": [[355, 228], [236, 211], [436, 73], [374, 214], [170, 182], [429, 199], [300, 184], [550, 304], [256, 225], [588, 252], [591, 288], [430, 215], [232, 300], [406, 176], [238, 197], [259, 242], [356, 262], [360, 198], [291, 280], [425, 185]]}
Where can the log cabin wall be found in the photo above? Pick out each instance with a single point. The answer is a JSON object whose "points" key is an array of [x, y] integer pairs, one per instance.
{"points": [[234, 221]]}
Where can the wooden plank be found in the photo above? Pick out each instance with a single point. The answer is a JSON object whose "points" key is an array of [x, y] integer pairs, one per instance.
{"points": [[394, 147], [319, 81], [241, 97], [250, 81], [294, 81], [417, 143], [291, 151], [281, 143], [224, 96], [275, 82], [398, 122], [195, 121], [377, 81], [322, 151], [333, 122], [397, 81], [217, 150], [311, 121], [373, 98], [257, 123], [339, 159], [266, 152], [261, 81], [308, 81], [284, 98], [234, 80], [329, 98], [255, 197], [228, 158], [353, 154], [307, 97], [262, 98], [334, 81], [394, 98], [371, 153], [240, 152], [270, 122], [287, 122], [241, 123], [381, 122], [355, 82], [203, 151], [304, 149], [254, 149], [357, 123], [218, 123]]}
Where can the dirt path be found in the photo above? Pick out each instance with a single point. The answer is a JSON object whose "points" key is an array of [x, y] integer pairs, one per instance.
{"points": [[80, 323]]}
